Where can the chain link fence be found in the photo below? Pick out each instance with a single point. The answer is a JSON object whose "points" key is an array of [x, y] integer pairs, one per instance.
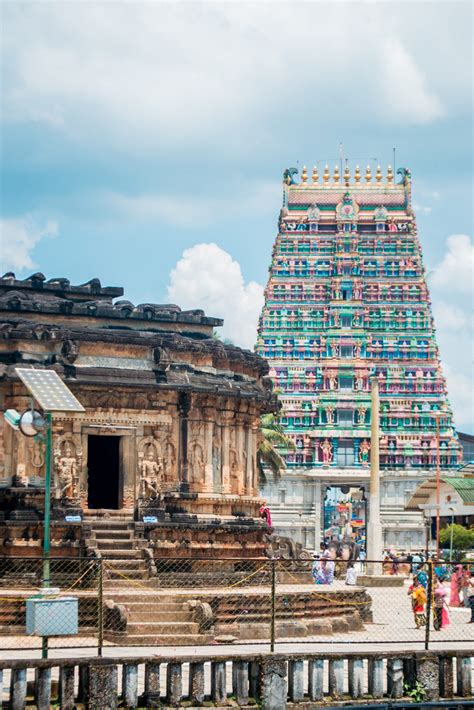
{"points": [[198, 601]]}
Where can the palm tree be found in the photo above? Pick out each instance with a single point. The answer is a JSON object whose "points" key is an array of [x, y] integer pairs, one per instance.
{"points": [[273, 438]]}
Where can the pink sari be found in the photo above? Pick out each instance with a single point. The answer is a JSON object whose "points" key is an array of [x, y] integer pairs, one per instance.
{"points": [[454, 599]]}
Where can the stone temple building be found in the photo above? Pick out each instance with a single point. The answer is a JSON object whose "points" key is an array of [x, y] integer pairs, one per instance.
{"points": [[347, 298], [169, 435]]}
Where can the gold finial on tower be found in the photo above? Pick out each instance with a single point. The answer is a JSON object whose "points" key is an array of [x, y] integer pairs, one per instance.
{"points": [[304, 175], [347, 176], [326, 174], [368, 175], [389, 174], [336, 175], [315, 175], [357, 174], [378, 175]]}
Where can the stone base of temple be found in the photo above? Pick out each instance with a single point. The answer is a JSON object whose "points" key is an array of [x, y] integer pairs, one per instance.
{"points": [[380, 580]]}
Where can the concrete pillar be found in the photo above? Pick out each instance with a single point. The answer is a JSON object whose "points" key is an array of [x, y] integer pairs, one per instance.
{"points": [[446, 677], [152, 680], [374, 527], [356, 677], [316, 679], [375, 677], [336, 677], [103, 687], [174, 684], [196, 682], [395, 677], [225, 459], [130, 684], [427, 673], [18, 689], [318, 524], [218, 683], [43, 689], [208, 473], [273, 686], [464, 683], [240, 679], [296, 680], [66, 687]]}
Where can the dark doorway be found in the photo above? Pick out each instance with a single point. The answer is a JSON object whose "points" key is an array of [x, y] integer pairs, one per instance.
{"points": [[103, 461]]}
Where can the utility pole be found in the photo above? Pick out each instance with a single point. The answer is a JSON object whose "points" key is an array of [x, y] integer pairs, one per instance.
{"points": [[438, 481], [374, 528]]}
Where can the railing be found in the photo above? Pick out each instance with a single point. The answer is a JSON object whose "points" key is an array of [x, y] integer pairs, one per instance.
{"points": [[269, 682]]}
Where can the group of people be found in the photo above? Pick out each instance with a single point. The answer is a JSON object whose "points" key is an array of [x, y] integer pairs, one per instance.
{"points": [[461, 593]]}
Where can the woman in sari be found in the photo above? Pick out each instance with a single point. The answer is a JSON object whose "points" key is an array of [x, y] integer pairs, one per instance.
{"points": [[418, 601], [440, 607], [456, 582]]}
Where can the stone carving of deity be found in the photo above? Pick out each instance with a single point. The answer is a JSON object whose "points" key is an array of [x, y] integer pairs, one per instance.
{"points": [[337, 319], [335, 348], [66, 467], [170, 460], [197, 463], [364, 452], [356, 290], [362, 411], [330, 415], [326, 448], [150, 473], [332, 379], [337, 294], [357, 348]]}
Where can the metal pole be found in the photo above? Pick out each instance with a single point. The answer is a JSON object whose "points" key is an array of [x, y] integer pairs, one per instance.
{"points": [[438, 484], [47, 517], [428, 604], [451, 538], [272, 628], [374, 528], [100, 610]]}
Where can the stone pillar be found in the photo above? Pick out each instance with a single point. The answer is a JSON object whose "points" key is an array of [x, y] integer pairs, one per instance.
{"points": [[249, 453], [376, 677], [394, 677], [218, 683], [273, 686], [464, 684], [83, 686], [174, 684], [152, 681], [336, 677], [335, 445], [254, 679], [446, 679], [43, 689], [356, 677], [296, 680], [184, 405], [374, 528], [427, 673], [208, 473], [316, 679], [225, 459], [66, 688], [240, 443], [240, 677], [356, 452], [196, 683], [103, 686], [130, 684], [18, 688]]}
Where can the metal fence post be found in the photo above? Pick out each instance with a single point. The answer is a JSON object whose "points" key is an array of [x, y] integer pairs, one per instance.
{"points": [[429, 604], [273, 598], [100, 609]]}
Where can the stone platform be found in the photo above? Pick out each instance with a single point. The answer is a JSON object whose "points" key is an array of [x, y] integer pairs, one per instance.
{"points": [[379, 580]]}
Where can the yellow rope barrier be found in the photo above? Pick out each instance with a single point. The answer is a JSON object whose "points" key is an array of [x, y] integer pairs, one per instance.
{"points": [[327, 599]]}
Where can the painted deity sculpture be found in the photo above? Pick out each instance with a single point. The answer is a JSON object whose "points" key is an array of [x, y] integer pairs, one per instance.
{"points": [[364, 452], [326, 448], [66, 466], [150, 473]]}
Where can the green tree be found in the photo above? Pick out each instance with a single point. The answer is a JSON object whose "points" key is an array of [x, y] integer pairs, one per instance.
{"points": [[463, 538], [273, 441]]}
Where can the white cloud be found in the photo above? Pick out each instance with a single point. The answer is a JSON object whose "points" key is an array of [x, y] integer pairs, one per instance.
{"points": [[456, 271], [18, 239], [207, 277], [452, 291], [425, 209]]}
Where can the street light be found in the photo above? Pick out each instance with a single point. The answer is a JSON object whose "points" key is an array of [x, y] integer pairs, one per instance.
{"points": [[453, 510], [47, 388]]}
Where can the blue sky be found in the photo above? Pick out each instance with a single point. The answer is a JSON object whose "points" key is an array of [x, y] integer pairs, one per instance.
{"points": [[144, 143]]}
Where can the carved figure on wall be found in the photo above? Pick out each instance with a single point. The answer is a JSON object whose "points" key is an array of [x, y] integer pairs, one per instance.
{"points": [[170, 460], [330, 415], [197, 463], [150, 473], [358, 348], [66, 467], [356, 290], [362, 412], [332, 379], [326, 448], [364, 452]]}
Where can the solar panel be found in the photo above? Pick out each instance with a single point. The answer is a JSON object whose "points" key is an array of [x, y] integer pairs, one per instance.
{"points": [[49, 390]]}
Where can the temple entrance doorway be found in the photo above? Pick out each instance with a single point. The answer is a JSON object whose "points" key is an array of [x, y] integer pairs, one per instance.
{"points": [[104, 480]]}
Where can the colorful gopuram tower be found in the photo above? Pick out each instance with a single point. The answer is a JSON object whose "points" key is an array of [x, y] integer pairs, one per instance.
{"points": [[346, 299]]}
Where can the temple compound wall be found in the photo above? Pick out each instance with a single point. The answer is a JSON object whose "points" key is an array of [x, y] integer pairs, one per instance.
{"points": [[346, 299], [171, 422]]}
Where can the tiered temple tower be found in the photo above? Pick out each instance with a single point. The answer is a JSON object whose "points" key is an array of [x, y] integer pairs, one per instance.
{"points": [[347, 298]]}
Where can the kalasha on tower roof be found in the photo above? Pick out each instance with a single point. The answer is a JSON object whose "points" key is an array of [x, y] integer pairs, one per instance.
{"points": [[347, 298]]}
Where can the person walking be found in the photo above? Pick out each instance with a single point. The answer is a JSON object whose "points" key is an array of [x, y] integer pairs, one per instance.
{"points": [[455, 587], [440, 606], [417, 593]]}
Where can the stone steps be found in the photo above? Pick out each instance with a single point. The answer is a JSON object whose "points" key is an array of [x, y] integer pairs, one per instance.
{"points": [[107, 534], [118, 553], [159, 628], [164, 639], [157, 616], [151, 607]]}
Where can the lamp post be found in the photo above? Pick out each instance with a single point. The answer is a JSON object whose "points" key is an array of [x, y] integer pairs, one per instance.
{"points": [[452, 532], [438, 480]]}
